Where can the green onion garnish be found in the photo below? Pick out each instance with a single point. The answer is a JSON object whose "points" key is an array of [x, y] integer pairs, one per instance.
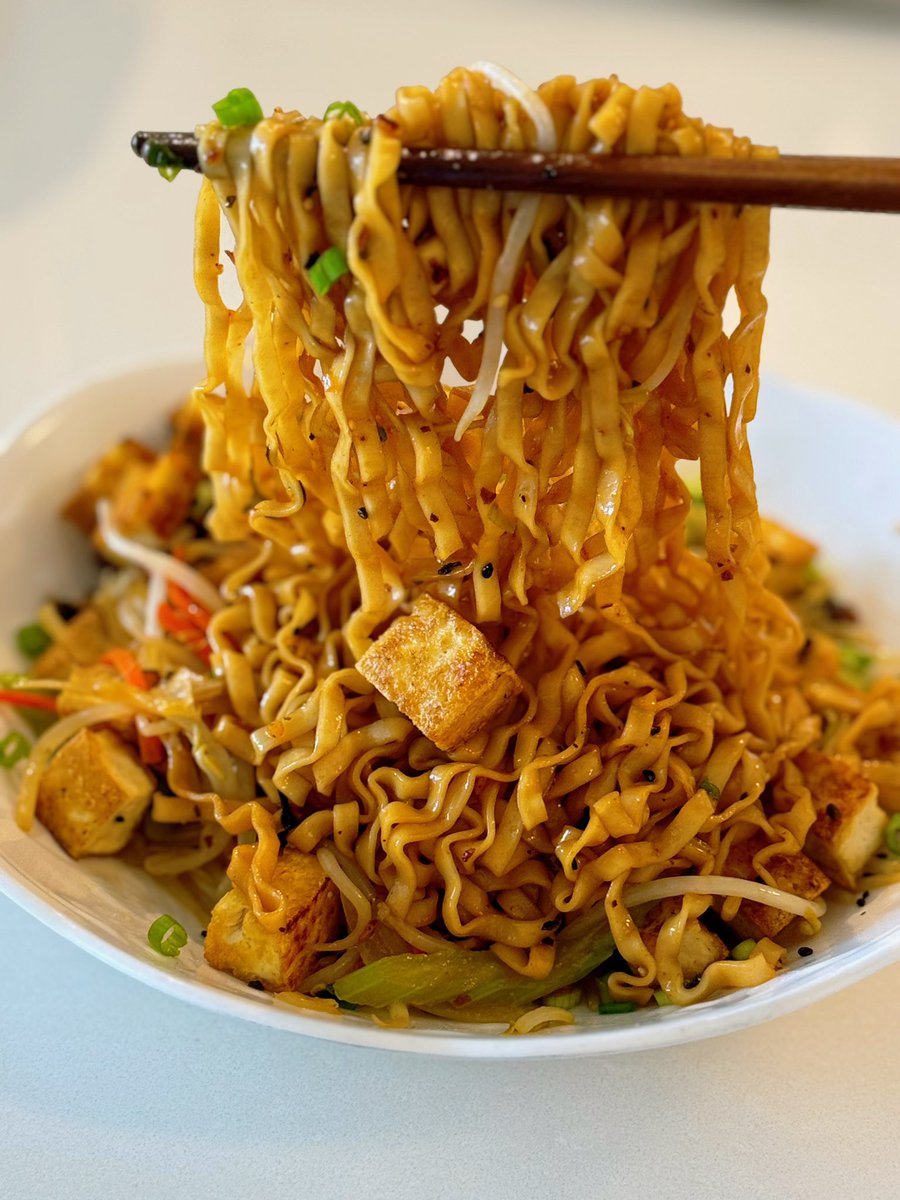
{"points": [[167, 936], [708, 786], [855, 663], [169, 173], [743, 950], [614, 1007], [240, 107], [327, 269], [343, 108], [14, 747], [892, 835], [32, 640], [662, 998]]}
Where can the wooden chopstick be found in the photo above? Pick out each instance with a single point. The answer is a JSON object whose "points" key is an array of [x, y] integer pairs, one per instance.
{"points": [[792, 181]]}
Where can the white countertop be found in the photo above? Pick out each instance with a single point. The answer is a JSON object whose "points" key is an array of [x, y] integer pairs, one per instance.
{"points": [[109, 1089]]}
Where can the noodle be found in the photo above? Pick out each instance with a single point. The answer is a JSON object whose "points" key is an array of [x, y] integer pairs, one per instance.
{"points": [[668, 706]]}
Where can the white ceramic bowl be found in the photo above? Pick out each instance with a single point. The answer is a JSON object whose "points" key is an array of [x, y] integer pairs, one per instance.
{"points": [[826, 468]]}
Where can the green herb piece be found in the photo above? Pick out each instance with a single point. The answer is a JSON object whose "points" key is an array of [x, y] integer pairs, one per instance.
{"points": [[32, 640], [328, 268], [13, 748], [169, 173], [240, 107], [743, 950], [855, 664], [461, 980], [167, 936], [710, 788], [662, 998], [892, 835], [615, 1007], [343, 108]]}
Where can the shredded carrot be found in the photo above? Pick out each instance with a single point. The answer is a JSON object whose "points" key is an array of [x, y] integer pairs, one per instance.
{"points": [[186, 620], [151, 750], [28, 700], [127, 666]]}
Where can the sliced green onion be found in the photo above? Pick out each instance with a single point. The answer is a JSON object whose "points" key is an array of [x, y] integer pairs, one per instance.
{"points": [[167, 936], [743, 950], [158, 155], [565, 998], [327, 269], [343, 108], [344, 1004], [855, 663], [13, 679], [14, 747], [32, 640], [615, 1007], [169, 173], [240, 107], [662, 998], [708, 786], [892, 835]]}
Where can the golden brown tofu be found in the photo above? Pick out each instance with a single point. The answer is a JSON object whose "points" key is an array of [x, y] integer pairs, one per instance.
{"points": [[794, 873], [87, 639], [441, 672], [699, 946], [236, 942], [93, 793], [102, 480], [850, 823], [155, 497]]}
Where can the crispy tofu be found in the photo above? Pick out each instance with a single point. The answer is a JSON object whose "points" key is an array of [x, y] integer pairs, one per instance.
{"points": [[700, 947], [93, 793], [794, 873], [155, 497], [281, 959], [87, 640], [441, 672], [102, 480], [850, 823]]}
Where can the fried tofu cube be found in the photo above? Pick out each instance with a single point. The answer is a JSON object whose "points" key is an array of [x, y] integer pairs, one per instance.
{"points": [[280, 959], [700, 947], [93, 793], [441, 672], [850, 823], [155, 497], [87, 640], [794, 873], [102, 480]]}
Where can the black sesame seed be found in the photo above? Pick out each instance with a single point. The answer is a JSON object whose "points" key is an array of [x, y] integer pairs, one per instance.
{"points": [[650, 776], [361, 512], [256, 985], [805, 951], [487, 570], [382, 433], [448, 567], [654, 731], [582, 669], [832, 811], [119, 818]]}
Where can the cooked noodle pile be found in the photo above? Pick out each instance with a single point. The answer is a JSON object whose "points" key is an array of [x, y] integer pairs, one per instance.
{"points": [[671, 706]]}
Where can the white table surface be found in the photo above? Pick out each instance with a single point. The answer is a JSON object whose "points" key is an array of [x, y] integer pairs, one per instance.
{"points": [[109, 1089]]}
